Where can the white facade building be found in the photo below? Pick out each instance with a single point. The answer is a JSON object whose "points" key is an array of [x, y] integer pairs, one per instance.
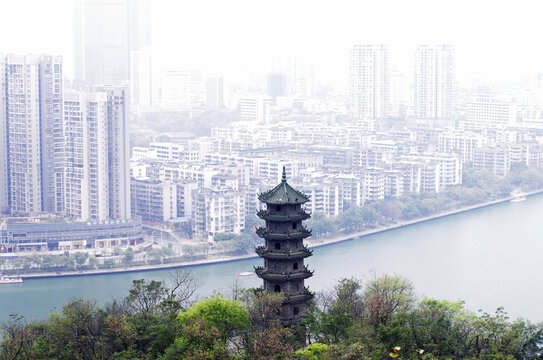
{"points": [[31, 135], [369, 82], [220, 210], [489, 112], [255, 108], [86, 176], [434, 82]]}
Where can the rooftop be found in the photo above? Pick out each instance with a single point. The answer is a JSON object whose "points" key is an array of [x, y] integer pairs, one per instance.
{"points": [[283, 194]]}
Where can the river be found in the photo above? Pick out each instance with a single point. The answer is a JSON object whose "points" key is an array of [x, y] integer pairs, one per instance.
{"points": [[488, 257]]}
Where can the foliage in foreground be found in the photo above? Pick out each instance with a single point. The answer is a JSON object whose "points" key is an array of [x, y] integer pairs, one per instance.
{"points": [[379, 319]]}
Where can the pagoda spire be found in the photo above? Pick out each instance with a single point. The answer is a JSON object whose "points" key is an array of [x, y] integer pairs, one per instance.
{"points": [[284, 178]]}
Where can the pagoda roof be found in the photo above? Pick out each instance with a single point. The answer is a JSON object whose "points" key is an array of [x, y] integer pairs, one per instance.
{"points": [[283, 194]]}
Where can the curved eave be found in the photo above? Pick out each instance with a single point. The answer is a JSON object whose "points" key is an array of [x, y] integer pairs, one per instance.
{"points": [[283, 255], [289, 235], [280, 278], [264, 215], [299, 297]]}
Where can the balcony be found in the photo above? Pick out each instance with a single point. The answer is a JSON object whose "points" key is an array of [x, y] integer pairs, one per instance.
{"points": [[282, 277], [283, 235], [266, 253], [293, 216]]}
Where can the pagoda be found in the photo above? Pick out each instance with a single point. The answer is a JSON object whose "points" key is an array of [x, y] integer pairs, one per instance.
{"points": [[283, 250]]}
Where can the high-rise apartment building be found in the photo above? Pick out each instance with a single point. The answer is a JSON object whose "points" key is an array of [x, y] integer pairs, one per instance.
{"points": [[86, 176], [106, 32], [4, 179], [434, 82], [31, 138], [141, 75], [118, 151], [369, 82]]}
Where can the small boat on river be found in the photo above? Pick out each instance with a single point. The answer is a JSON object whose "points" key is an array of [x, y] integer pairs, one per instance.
{"points": [[517, 199], [4, 280], [245, 273]]}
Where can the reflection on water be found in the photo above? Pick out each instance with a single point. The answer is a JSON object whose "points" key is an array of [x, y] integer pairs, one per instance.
{"points": [[489, 257]]}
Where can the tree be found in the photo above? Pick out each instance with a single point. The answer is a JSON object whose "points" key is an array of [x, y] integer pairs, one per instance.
{"points": [[109, 262], [227, 316], [272, 342], [199, 341], [387, 294], [80, 258], [128, 256], [16, 339], [145, 296], [182, 284]]}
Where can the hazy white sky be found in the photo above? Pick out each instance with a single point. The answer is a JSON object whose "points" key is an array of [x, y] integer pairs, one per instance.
{"points": [[498, 40]]}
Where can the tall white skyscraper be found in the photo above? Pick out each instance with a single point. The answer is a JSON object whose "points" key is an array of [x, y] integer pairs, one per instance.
{"points": [[141, 91], [4, 179], [118, 151], [86, 152], [434, 82], [32, 133], [369, 82], [106, 32]]}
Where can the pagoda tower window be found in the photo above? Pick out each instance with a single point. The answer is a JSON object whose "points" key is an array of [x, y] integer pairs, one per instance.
{"points": [[295, 266], [277, 288], [294, 226], [278, 208], [296, 311], [278, 246]]}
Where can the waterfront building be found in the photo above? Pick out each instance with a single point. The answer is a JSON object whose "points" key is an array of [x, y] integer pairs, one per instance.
{"points": [[86, 169], [219, 210], [118, 151], [40, 234], [185, 194], [374, 184], [369, 82], [4, 169], [283, 251], [434, 82], [495, 159], [393, 183], [154, 200], [31, 137]]}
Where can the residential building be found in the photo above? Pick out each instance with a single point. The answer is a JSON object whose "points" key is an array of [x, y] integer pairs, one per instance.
{"points": [[369, 82], [31, 135], [495, 159], [434, 82], [220, 210], [86, 169], [154, 200]]}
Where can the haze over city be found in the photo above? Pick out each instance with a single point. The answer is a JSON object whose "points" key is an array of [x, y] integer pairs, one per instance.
{"points": [[271, 180], [495, 41]]}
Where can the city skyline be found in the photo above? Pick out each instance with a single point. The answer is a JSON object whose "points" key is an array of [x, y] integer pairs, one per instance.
{"points": [[506, 53]]}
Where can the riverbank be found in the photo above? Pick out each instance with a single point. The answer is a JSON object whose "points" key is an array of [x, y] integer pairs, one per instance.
{"points": [[312, 243]]}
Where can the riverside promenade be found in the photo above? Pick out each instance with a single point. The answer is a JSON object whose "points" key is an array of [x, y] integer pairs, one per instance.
{"points": [[311, 243]]}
